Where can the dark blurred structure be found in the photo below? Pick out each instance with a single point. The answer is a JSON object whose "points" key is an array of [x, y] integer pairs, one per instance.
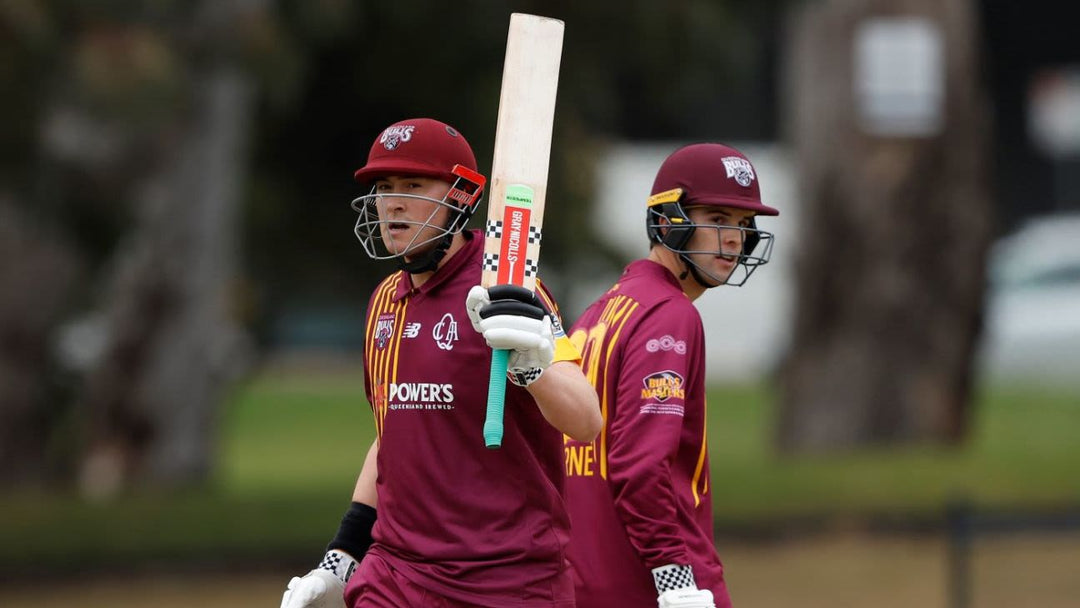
{"points": [[889, 124], [1025, 42]]}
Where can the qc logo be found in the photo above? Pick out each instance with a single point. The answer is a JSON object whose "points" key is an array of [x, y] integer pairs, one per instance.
{"points": [[445, 332]]}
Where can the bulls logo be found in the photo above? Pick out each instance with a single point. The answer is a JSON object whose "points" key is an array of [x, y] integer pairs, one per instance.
{"points": [[384, 328], [394, 136], [740, 169]]}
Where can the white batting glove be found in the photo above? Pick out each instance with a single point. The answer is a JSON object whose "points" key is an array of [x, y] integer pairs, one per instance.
{"points": [[676, 588], [686, 598], [474, 302], [514, 319], [323, 587]]}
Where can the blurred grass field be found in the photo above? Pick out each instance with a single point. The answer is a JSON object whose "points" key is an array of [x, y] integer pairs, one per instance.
{"points": [[292, 443]]}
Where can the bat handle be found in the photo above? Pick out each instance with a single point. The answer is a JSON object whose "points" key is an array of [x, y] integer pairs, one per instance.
{"points": [[493, 424]]}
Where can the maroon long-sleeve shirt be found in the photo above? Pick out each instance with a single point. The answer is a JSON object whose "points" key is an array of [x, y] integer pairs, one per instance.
{"points": [[639, 494], [481, 526]]}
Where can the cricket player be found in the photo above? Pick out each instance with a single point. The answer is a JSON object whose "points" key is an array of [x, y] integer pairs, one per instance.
{"points": [[639, 495], [438, 519]]}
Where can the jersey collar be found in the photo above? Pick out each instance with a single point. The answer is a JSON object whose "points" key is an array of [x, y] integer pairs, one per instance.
{"points": [[473, 242]]}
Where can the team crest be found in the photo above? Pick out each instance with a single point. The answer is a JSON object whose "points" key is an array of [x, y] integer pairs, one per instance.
{"points": [[384, 328], [445, 332], [740, 169], [394, 136]]}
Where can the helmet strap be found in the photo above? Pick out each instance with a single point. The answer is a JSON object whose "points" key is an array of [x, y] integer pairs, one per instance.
{"points": [[431, 259], [692, 270]]}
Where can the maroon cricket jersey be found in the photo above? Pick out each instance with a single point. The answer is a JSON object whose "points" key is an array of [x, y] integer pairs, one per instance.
{"points": [[639, 493], [482, 526]]}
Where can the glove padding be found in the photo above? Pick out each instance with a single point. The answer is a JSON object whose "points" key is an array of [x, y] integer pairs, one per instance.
{"points": [[513, 318], [323, 587], [676, 588]]}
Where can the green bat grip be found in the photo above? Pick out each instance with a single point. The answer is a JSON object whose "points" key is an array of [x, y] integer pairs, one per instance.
{"points": [[493, 424]]}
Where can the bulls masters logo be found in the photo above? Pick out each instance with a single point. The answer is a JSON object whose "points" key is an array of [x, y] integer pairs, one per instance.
{"points": [[740, 169], [445, 332], [392, 137]]}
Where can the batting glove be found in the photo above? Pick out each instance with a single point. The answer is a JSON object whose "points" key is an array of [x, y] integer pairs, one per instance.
{"points": [[513, 318], [676, 588], [323, 587]]}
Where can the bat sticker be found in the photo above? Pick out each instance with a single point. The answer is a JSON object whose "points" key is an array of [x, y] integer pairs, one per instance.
{"points": [[516, 231]]}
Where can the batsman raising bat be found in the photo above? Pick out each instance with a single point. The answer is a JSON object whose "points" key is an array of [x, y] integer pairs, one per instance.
{"points": [[641, 490], [437, 518]]}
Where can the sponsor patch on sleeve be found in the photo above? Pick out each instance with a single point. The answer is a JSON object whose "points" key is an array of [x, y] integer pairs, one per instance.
{"points": [[662, 386]]}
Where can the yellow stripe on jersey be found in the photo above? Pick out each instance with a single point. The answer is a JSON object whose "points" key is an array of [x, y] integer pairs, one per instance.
{"points": [[701, 461], [371, 353], [615, 316], [378, 360], [399, 316]]}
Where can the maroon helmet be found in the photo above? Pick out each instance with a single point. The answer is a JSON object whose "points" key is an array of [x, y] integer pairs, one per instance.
{"points": [[712, 174], [417, 146], [707, 174]]}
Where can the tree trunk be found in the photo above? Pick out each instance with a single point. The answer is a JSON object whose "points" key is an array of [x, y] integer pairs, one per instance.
{"points": [[37, 275], [173, 345], [892, 250]]}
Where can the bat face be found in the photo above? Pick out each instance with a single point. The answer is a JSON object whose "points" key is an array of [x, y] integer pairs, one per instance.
{"points": [[522, 151], [519, 175]]}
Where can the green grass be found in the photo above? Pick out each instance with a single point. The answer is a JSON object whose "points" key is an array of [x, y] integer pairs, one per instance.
{"points": [[1021, 453], [292, 446]]}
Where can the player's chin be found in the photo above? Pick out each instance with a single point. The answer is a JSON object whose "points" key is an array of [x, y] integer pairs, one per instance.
{"points": [[418, 249], [394, 245], [401, 241], [720, 271]]}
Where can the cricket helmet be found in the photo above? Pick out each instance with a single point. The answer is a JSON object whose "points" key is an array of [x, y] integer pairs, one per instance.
{"points": [[417, 146], [427, 148], [710, 174]]}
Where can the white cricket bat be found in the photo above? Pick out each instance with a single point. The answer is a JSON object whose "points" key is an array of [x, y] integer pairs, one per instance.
{"points": [[519, 174]]}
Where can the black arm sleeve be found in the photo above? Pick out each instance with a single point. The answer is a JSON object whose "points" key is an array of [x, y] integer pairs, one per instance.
{"points": [[354, 535]]}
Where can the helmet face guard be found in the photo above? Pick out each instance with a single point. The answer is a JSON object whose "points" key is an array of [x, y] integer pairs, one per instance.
{"points": [[668, 224], [461, 201], [716, 175]]}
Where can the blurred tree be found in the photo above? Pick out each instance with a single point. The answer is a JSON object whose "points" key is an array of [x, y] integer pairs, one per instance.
{"points": [[892, 254], [29, 310], [134, 129], [137, 119]]}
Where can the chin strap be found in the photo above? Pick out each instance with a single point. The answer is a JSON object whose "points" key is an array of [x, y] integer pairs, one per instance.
{"points": [[431, 260], [692, 269]]}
